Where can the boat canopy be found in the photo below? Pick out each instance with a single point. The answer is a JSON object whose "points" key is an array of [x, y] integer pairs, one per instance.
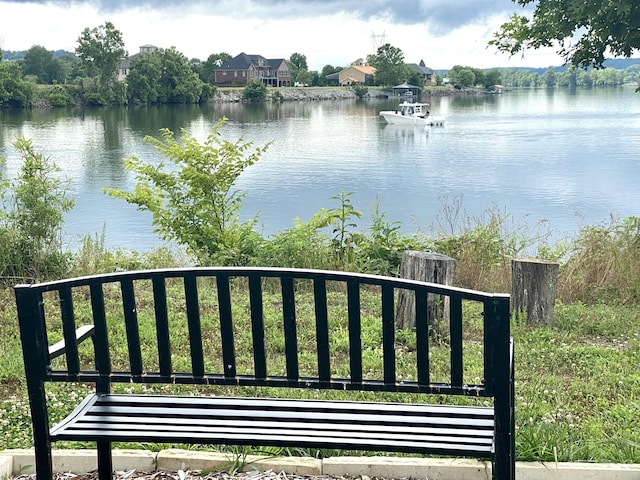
{"points": [[405, 87]]}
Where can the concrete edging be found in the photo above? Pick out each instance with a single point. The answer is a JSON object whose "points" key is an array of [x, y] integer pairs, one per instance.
{"points": [[21, 461]]}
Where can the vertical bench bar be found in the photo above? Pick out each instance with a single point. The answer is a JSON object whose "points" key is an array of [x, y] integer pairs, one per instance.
{"points": [[68, 330], [388, 334], [289, 323], [422, 337], [163, 336], [193, 322], [101, 337], [131, 324], [455, 332], [226, 325], [257, 326], [322, 329], [355, 340]]}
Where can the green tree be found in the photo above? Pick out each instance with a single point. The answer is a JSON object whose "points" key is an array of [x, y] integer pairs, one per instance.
{"points": [[389, 64], [32, 217], [462, 76], [568, 78], [416, 78], [326, 71], [549, 77], [466, 78], [163, 76], [38, 62], [192, 200], [582, 31], [305, 77], [213, 61], [255, 91], [492, 77], [14, 90], [479, 76], [143, 81], [100, 49], [178, 82], [297, 62]]}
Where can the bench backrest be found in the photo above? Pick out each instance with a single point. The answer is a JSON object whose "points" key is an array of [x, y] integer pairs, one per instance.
{"points": [[187, 326]]}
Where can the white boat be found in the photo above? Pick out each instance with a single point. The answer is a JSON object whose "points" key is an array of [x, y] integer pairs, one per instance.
{"points": [[409, 113]]}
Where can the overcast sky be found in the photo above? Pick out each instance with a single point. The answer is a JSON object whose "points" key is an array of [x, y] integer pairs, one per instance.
{"points": [[443, 33]]}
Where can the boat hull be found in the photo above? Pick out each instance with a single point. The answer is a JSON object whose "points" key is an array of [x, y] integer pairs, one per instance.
{"points": [[396, 118]]}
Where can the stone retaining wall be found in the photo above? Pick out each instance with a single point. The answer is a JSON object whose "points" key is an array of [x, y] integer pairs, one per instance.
{"points": [[291, 94], [313, 94]]}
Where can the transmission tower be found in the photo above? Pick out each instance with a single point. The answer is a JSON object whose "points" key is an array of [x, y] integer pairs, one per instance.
{"points": [[378, 40]]}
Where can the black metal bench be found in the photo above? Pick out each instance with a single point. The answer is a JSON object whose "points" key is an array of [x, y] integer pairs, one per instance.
{"points": [[185, 327]]}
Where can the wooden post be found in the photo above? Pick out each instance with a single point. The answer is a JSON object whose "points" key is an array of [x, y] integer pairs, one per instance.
{"points": [[426, 267], [533, 290]]}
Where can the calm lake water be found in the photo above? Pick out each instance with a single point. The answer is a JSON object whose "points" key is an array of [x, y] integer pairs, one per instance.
{"points": [[564, 157]]}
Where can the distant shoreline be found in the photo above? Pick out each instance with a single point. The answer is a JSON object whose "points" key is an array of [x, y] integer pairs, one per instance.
{"points": [[337, 93]]}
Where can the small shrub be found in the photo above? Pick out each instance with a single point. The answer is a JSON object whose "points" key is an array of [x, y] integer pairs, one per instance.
{"points": [[302, 246], [32, 218], [276, 96], [255, 91], [193, 201], [361, 91], [59, 97]]}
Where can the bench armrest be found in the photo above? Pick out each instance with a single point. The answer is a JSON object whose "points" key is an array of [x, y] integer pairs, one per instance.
{"points": [[82, 333]]}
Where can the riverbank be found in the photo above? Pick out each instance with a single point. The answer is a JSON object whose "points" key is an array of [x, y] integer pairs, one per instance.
{"points": [[337, 93]]}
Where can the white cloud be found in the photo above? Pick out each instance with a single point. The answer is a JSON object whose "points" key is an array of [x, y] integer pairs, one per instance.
{"points": [[335, 33]]}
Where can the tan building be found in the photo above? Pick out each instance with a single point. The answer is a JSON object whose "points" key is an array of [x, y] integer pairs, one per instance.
{"points": [[355, 74]]}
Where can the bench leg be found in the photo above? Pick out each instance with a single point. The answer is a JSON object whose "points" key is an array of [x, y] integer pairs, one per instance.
{"points": [[44, 463], [105, 463]]}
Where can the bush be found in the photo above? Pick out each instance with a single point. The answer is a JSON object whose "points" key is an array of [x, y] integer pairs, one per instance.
{"points": [[361, 91], [192, 200], [255, 91], [59, 97], [32, 218]]}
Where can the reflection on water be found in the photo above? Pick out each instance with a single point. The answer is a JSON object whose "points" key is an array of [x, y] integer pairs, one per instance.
{"points": [[538, 154]]}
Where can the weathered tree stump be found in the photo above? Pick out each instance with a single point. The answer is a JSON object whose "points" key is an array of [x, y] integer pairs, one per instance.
{"points": [[533, 290], [426, 267]]}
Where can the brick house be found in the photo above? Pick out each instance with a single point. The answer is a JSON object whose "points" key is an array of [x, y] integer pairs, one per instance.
{"points": [[428, 74], [239, 70]]}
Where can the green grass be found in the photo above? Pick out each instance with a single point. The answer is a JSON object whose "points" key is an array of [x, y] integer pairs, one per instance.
{"points": [[577, 384]]}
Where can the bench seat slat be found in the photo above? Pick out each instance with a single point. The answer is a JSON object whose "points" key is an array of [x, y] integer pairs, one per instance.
{"points": [[405, 409], [308, 416], [155, 422], [287, 429], [252, 421]]}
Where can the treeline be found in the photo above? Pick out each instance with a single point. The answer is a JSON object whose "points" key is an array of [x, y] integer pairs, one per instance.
{"points": [[161, 76], [571, 77], [464, 76]]}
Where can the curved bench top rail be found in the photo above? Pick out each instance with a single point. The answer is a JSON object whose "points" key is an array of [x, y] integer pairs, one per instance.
{"points": [[33, 319], [363, 278]]}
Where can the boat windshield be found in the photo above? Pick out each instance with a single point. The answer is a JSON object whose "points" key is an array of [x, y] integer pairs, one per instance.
{"points": [[414, 109]]}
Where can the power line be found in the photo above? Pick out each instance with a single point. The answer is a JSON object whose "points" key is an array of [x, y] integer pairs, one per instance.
{"points": [[378, 40]]}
